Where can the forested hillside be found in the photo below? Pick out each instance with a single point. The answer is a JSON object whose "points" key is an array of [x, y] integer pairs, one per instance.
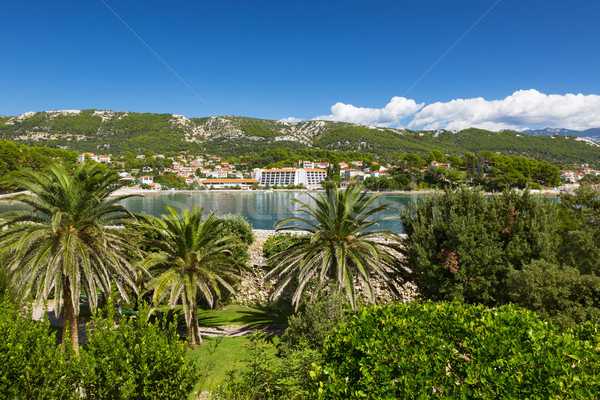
{"points": [[119, 132]]}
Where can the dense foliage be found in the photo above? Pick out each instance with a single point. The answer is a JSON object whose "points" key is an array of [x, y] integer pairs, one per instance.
{"points": [[14, 157], [557, 292], [286, 376], [453, 350], [462, 245], [138, 360], [235, 225], [132, 360], [31, 366]]}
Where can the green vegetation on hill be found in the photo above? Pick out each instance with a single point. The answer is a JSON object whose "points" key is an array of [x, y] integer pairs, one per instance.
{"points": [[258, 130], [230, 136], [14, 156], [549, 148]]}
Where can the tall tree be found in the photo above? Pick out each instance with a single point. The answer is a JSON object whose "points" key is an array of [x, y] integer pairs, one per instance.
{"points": [[338, 249], [66, 239], [192, 259]]}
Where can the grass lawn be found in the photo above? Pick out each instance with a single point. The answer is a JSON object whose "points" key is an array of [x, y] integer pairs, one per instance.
{"points": [[217, 356]]}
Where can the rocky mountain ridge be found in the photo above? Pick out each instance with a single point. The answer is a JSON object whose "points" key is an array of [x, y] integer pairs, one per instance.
{"points": [[118, 132]]}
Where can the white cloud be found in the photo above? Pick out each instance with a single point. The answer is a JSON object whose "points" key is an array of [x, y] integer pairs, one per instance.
{"points": [[522, 108], [397, 109], [291, 120]]}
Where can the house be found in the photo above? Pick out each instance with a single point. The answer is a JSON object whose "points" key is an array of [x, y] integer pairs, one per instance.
{"points": [[147, 169], [570, 176], [81, 157], [155, 185], [350, 172], [128, 178], [146, 180], [104, 159], [378, 174], [322, 165], [439, 164], [308, 164]]}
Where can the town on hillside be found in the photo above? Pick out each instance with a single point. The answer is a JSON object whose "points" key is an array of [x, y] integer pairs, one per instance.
{"points": [[409, 172]]}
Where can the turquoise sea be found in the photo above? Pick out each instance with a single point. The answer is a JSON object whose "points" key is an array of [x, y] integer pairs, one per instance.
{"points": [[262, 209]]}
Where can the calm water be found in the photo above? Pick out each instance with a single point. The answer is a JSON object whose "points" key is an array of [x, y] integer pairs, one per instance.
{"points": [[261, 209]]}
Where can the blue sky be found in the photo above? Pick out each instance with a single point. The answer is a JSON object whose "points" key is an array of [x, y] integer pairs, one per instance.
{"points": [[279, 59]]}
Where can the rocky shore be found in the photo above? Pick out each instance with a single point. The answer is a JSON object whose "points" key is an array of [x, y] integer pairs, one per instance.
{"points": [[256, 289]]}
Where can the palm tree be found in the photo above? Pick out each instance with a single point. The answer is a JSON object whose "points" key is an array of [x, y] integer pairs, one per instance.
{"points": [[336, 250], [66, 238], [192, 259]]}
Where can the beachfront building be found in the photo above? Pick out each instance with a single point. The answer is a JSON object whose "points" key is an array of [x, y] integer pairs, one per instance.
{"points": [[146, 180], [309, 177]]}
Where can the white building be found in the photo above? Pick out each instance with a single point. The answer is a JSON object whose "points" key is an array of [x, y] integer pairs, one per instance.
{"points": [[308, 164], [146, 180], [81, 157], [309, 177], [128, 177], [350, 172]]}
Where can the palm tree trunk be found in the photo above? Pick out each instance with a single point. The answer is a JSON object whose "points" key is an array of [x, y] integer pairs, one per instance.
{"points": [[70, 319], [193, 332]]}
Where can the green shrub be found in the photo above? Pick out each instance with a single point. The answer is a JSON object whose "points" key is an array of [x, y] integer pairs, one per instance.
{"points": [[31, 366], [137, 360], [561, 294], [457, 351], [276, 244], [461, 245], [310, 328], [238, 226], [265, 376]]}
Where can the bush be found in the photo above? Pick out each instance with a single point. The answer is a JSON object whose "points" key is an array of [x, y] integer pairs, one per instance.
{"points": [[276, 244], [266, 377], [457, 351], [462, 245], [31, 366], [561, 294], [238, 226], [137, 360], [310, 328]]}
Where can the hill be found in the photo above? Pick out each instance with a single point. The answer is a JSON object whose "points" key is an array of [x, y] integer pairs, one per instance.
{"points": [[117, 132], [592, 134]]}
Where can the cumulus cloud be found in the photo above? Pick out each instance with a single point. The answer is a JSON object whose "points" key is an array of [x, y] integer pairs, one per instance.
{"points": [[521, 109], [291, 120], [397, 109]]}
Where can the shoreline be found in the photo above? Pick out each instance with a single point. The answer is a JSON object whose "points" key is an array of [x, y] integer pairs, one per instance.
{"points": [[139, 191], [133, 191]]}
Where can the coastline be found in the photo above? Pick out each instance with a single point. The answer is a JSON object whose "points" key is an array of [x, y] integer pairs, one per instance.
{"points": [[138, 191], [133, 191]]}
